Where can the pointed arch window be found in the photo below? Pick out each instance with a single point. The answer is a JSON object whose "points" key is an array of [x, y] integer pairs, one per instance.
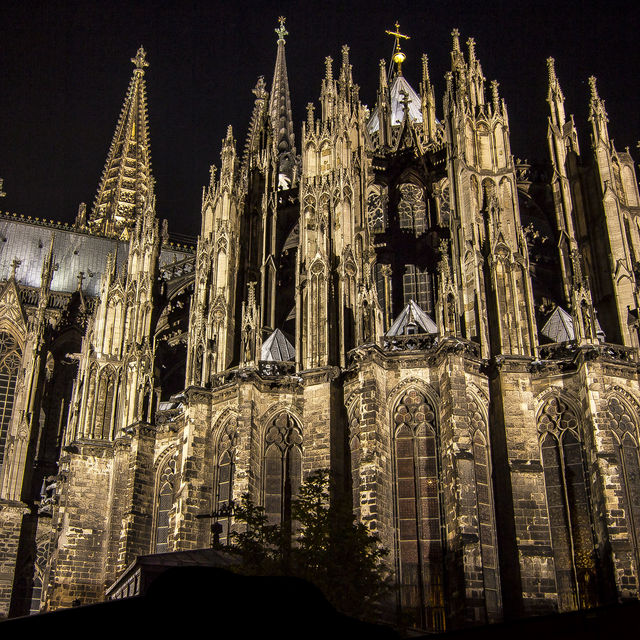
{"points": [[418, 512], [624, 427], [10, 357], [411, 208], [283, 467], [224, 476], [165, 500], [568, 506]]}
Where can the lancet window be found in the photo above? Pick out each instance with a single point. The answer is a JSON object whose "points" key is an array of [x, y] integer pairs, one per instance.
{"points": [[418, 511], [283, 467], [165, 500], [623, 424], [224, 476], [10, 357], [568, 506]]}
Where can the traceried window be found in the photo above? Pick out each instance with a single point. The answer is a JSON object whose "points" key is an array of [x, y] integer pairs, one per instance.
{"points": [[623, 425], [224, 478], [10, 357], [411, 208], [568, 506], [417, 286], [283, 467], [418, 512], [377, 212], [166, 492]]}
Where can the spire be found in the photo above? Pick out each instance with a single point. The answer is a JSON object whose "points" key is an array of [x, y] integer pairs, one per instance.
{"points": [[597, 113], [127, 171], [555, 97], [280, 106]]}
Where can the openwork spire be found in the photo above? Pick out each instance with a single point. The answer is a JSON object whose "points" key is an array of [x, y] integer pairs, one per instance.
{"points": [[280, 106], [127, 172]]}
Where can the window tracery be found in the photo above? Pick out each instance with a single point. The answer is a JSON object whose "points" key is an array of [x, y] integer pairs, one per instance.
{"points": [[568, 505], [418, 511], [10, 358], [165, 500], [412, 208], [283, 467]]}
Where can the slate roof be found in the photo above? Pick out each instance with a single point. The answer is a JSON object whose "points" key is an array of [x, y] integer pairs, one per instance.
{"points": [[559, 326], [412, 313], [73, 251], [277, 348]]}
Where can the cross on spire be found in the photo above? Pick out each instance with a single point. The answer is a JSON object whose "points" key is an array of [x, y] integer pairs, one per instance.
{"points": [[281, 31], [398, 56]]}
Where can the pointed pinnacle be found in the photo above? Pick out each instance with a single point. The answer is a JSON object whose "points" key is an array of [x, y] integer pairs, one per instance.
{"points": [[471, 43], [456, 39], [594, 88], [425, 70], [552, 70], [328, 70]]}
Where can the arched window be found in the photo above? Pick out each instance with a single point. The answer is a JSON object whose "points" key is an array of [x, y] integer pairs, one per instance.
{"points": [[623, 426], [283, 467], [568, 506], [418, 512], [484, 510], [165, 500], [412, 209], [224, 476], [10, 357]]}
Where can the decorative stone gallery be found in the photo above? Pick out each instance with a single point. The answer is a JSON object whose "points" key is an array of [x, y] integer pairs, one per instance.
{"points": [[452, 332]]}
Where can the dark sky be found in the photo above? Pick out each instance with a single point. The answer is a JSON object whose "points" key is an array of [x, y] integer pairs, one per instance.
{"points": [[66, 67]]}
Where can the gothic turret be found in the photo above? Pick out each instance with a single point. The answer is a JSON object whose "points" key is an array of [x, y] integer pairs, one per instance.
{"points": [[126, 176]]}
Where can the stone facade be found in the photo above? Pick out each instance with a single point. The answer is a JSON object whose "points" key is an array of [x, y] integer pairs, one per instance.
{"points": [[456, 340]]}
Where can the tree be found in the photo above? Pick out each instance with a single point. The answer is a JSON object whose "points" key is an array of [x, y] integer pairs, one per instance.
{"points": [[323, 544]]}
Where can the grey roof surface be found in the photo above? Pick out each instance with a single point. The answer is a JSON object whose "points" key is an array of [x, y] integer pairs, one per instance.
{"points": [[412, 313], [277, 348], [559, 326], [74, 252], [398, 85]]}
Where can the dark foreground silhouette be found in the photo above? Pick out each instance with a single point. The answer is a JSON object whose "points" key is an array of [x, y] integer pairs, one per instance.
{"points": [[187, 598]]}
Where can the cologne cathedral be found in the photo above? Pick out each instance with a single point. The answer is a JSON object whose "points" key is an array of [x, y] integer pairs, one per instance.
{"points": [[383, 292]]}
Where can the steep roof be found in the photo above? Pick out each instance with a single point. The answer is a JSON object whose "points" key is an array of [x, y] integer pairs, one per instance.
{"points": [[399, 86], [412, 314], [277, 348], [559, 326]]}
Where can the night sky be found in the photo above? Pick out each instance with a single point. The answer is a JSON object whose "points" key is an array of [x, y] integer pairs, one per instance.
{"points": [[66, 68]]}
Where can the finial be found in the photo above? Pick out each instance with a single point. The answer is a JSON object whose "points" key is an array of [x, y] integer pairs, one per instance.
{"points": [[2, 193], [551, 66], [405, 102], [425, 69], [80, 279], [594, 88], [281, 31], [140, 60], [229, 136], [260, 90], [252, 293], [398, 56], [310, 112], [328, 70], [14, 267], [494, 94], [212, 174], [471, 43], [456, 39], [345, 55]]}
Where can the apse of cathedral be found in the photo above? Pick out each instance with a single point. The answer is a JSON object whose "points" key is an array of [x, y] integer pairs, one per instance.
{"points": [[383, 292]]}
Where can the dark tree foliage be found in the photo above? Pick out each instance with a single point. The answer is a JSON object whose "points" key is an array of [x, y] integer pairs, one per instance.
{"points": [[323, 545]]}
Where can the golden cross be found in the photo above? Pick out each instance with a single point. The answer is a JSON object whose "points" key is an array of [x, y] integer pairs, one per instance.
{"points": [[398, 56], [281, 31], [397, 33]]}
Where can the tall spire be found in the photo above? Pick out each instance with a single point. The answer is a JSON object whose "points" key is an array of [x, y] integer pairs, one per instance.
{"points": [[127, 172], [555, 97], [280, 106]]}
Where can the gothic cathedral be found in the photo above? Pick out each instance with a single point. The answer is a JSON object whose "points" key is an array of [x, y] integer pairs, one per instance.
{"points": [[452, 332]]}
